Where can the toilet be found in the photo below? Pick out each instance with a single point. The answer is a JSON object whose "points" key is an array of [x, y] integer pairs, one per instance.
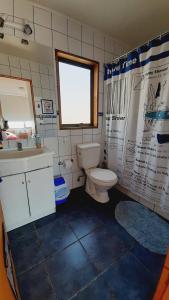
{"points": [[99, 181]]}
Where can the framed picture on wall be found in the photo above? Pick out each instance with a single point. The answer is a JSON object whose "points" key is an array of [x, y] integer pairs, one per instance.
{"points": [[47, 106]]}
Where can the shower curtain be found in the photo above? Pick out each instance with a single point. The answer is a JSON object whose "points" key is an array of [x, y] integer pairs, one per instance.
{"points": [[137, 121]]}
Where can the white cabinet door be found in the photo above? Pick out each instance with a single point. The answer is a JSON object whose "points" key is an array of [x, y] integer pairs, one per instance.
{"points": [[13, 196], [41, 192]]}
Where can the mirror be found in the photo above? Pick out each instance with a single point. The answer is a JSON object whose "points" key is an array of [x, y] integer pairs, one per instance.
{"points": [[27, 90], [16, 108]]}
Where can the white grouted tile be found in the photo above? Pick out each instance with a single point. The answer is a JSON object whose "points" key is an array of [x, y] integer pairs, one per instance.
{"points": [[26, 74], [60, 41], [77, 183], [44, 81], [6, 7], [52, 144], [14, 61], [15, 72], [75, 46], [87, 138], [108, 57], [59, 22], [99, 56], [23, 9], [4, 60], [56, 168], [109, 43], [44, 69], [43, 35], [100, 102], [101, 82], [51, 83], [74, 29], [5, 70], [87, 131], [34, 66], [87, 34], [25, 65], [64, 132], [76, 131], [64, 145], [75, 139], [99, 40], [69, 180], [63, 169], [46, 93], [87, 50], [75, 166], [42, 17], [37, 92], [36, 79], [97, 138]]}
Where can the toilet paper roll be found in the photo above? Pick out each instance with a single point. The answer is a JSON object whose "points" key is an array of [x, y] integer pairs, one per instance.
{"points": [[67, 163]]}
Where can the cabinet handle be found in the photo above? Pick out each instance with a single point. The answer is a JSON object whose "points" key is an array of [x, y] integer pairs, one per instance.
{"points": [[22, 182]]}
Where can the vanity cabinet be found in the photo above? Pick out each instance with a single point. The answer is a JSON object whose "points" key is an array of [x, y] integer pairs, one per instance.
{"points": [[26, 197]]}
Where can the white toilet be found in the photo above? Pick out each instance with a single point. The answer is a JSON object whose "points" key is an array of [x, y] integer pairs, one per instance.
{"points": [[99, 181]]}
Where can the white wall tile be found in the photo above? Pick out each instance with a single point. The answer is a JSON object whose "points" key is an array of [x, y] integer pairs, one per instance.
{"points": [[24, 63], [44, 81], [56, 169], [34, 66], [44, 69], [77, 183], [76, 131], [59, 22], [14, 61], [43, 35], [6, 7], [4, 60], [75, 139], [74, 29], [87, 34], [75, 46], [15, 72], [64, 145], [42, 17], [87, 138], [69, 180], [23, 9], [52, 144], [99, 56], [26, 74], [99, 40], [60, 41], [36, 79], [87, 50], [63, 169], [4, 70]]}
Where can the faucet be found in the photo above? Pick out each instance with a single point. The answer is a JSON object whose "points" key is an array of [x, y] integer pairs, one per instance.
{"points": [[19, 146]]}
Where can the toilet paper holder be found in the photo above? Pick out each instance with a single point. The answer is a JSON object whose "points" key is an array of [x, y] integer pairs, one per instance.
{"points": [[61, 163]]}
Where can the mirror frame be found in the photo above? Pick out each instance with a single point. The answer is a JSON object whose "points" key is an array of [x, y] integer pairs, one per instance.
{"points": [[32, 94]]}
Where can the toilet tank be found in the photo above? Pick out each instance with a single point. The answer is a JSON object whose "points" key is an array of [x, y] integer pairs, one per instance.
{"points": [[88, 155]]}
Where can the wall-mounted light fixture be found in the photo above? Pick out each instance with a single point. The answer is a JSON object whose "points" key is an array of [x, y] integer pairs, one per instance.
{"points": [[25, 27]]}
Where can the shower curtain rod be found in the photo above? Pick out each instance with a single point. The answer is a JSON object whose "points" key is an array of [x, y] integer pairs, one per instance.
{"points": [[125, 54]]}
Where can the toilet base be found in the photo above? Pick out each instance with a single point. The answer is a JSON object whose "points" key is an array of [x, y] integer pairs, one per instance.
{"points": [[99, 194]]}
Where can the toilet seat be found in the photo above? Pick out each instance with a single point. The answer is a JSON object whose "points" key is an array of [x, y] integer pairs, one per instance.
{"points": [[102, 176]]}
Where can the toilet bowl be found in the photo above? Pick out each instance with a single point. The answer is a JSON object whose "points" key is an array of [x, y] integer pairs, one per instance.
{"points": [[98, 181]]}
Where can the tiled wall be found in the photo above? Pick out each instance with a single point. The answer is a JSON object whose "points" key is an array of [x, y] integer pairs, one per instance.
{"points": [[55, 30]]}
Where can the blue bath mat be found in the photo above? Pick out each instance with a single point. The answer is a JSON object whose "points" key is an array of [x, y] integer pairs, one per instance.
{"points": [[145, 226]]}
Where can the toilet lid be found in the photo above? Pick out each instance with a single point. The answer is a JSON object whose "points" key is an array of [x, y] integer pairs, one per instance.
{"points": [[103, 175]]}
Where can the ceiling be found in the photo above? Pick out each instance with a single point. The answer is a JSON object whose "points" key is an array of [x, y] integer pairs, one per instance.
{"points": [[132, 21]]}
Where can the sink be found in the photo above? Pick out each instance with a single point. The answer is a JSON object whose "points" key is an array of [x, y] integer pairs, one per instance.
{"points": [[10, 154], [15, 162]]}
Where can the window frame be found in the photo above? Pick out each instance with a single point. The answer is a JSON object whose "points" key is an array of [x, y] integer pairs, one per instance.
{"points": [[93, 66]]}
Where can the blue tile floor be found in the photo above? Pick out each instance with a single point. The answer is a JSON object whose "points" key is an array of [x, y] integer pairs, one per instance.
{"points": [[82, 253]]}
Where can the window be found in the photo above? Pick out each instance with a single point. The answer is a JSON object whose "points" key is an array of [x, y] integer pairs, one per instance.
{"points": [[77, 90]]}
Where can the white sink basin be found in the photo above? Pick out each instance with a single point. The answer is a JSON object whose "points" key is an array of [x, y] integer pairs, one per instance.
{"points": [[14, 162]]}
